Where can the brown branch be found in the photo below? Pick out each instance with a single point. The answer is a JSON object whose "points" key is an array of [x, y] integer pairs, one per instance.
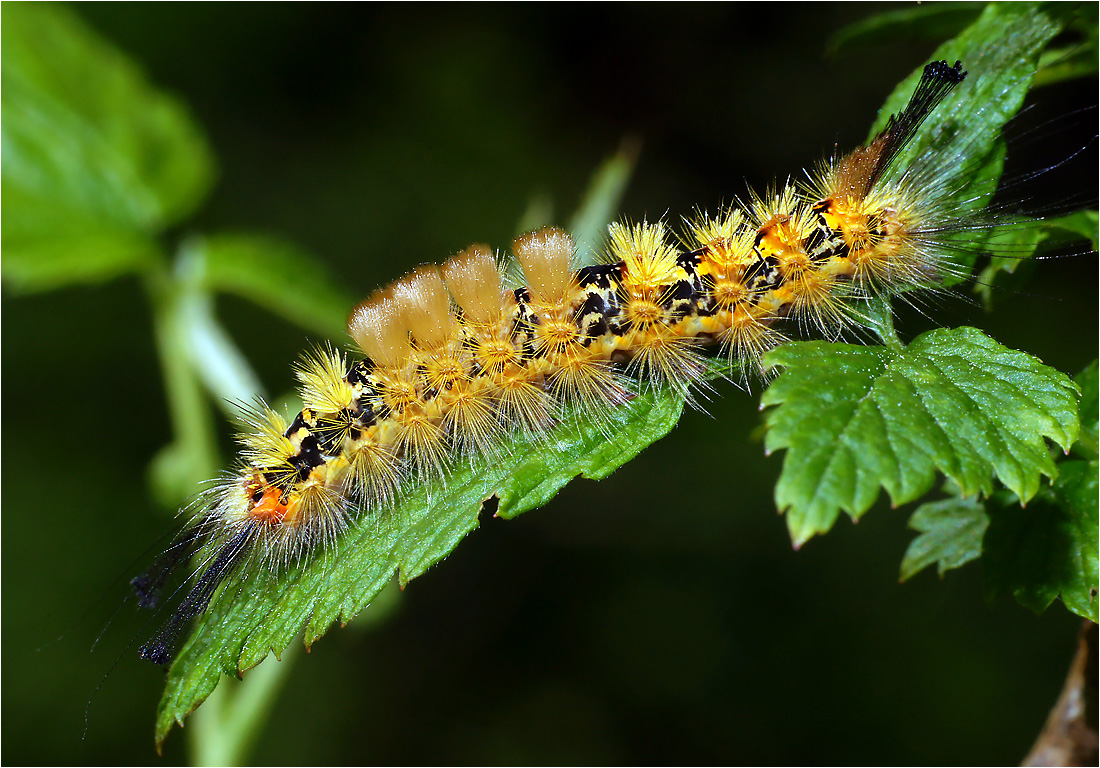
{"points": [[1069, 736]]}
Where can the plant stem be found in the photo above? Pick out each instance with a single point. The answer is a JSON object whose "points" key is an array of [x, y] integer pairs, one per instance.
{"points": [[226, 726], [1069, 736], [879, 315], [192, 456]]}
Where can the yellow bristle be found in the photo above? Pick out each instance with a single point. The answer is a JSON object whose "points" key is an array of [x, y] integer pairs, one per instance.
{"points": [[493, 353], [473, 279], [321, 373], [524, 404], [425, 306], [716, 234], [896, 258], [816, 300], [322, 512], [546, 256], [726, 239], [264, 442], [650, 260], [555, 338], [664, 358], [376, 327], [747, 339], [588, 386], [464, 370], [472, 418], [423, 441], [785, 215], [851, 176], [376, 473]]}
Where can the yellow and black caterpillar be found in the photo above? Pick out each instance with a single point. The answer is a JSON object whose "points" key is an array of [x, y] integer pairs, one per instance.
{"points": [[456, 360]]}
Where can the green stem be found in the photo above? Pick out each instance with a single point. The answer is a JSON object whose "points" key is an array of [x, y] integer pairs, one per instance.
{"points": [[879, 315], [215, 359], [192, 456], [226, 726]]}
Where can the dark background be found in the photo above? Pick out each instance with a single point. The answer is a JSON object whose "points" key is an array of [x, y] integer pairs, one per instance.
{"points": [[660, 616]]}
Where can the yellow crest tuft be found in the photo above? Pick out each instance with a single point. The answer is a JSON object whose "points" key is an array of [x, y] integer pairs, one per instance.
{"points": [[263, 438], [644, 248], [714, 233], [321, 374]]}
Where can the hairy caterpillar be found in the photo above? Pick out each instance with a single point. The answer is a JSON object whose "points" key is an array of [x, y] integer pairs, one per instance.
{"points": [[454, 358]]}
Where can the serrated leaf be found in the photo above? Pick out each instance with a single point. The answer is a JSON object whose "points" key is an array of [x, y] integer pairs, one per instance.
{"points": [[856, 419], [255, 613], [428, 523], [1048, 548], [1088, 442], [950, 535], [95, 159], [277, 275]]}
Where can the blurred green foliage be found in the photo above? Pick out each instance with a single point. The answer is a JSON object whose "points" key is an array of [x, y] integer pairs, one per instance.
{"points": [[96, 161], [649, 617]]}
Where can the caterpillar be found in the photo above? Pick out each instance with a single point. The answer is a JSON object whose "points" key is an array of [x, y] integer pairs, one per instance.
{"points": [[456, 356]]}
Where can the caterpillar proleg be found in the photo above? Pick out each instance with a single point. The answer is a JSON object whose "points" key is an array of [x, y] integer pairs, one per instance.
{"points": [[456, 360]]}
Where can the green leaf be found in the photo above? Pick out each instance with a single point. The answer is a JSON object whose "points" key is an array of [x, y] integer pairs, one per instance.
{"points": [[96, 160], [257, 613], [233, 718], [35, 262], [1015, 245], [1078, 57], [1080, 225], [855, 419], [1048, 548], [960, 145], [1061, 64], [932, 22], [950, 535], [276, 275], [1088, 442]]}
